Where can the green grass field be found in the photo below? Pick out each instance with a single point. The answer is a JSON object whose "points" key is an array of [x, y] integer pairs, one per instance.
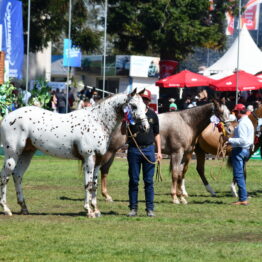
{"points": [[207, 229]]}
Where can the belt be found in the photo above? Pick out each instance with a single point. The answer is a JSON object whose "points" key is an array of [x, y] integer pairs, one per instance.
{"points": [[141, 146]]}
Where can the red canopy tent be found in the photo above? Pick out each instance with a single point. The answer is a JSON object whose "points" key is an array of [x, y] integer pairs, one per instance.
{"points": [[184, 79], [245, 81]]}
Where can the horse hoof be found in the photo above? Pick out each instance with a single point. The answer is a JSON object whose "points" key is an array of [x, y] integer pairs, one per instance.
{"points": [[214, 195], [8, 213], [176, 201], [183, 201], [109, 199], [185, 194], [91, 215], [24, 212], [97, 214]]}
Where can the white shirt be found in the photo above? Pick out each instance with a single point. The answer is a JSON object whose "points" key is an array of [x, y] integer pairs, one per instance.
{"points": [[243, 133]]}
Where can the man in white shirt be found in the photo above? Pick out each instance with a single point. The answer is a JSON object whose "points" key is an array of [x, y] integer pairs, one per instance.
{"points": [[242, 142]]}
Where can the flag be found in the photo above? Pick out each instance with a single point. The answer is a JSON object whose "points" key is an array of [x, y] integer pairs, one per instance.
{"points": [[230, 24], [72, 55], [13, 41], [251, 15]]}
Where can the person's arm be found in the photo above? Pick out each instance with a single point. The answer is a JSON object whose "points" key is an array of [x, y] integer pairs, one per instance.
{"points": [[158, 147]]}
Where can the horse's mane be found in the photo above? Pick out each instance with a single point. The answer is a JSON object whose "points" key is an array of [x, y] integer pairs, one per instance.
{"points": [[194, 112]]}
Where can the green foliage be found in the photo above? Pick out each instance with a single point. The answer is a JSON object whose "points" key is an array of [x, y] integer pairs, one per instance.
{"points": [[169, 28], [207, 229], [7, 97], [49, 22], [40, 94]]}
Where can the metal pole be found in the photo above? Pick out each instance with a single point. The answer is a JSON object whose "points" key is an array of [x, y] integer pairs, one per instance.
{"points": [[27, 50], [104, 55], [238, 50], [68, 51]]}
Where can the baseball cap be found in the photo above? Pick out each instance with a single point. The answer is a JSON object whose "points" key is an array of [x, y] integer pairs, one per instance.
{"points": [[239, 107], [146, 94]]}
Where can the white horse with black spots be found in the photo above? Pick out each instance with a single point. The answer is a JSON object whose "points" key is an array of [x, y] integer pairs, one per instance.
{"points": [[83, 135]]}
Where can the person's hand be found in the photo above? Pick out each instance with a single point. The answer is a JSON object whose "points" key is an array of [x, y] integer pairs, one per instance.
{"points": [[159, 156]]}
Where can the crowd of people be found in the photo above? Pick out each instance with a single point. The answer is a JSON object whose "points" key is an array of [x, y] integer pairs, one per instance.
{"points": [[251, 99]]}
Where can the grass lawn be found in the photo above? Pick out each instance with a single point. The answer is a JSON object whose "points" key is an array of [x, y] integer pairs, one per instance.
{"points": [[207, 229]]}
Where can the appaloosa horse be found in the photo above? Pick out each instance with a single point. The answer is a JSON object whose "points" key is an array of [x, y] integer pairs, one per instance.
{"points": [[83, 134], [178, 131], [208, 142]]}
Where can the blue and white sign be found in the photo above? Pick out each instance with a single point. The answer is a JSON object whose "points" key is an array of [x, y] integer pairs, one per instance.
{"points": [[72, 55], [12, 36]]}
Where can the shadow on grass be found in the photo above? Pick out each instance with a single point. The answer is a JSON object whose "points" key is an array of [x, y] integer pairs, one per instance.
{"points": [[207, 202], [67, 214]]}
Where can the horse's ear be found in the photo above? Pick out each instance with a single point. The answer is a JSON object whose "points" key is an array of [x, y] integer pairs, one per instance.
{"points": [[216, 103], [134, 92], [142, 91]]}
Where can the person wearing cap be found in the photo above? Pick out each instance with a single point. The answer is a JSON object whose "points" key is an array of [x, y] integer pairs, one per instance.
{"points": [[146, 143], [172, 105], [241, 143]]}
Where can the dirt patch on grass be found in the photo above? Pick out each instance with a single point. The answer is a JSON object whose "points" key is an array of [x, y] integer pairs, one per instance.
{"points": [[238, 237]]}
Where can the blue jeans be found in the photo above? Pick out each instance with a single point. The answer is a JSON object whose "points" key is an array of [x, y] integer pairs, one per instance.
{"points": [[239, 158], [135, 161]]}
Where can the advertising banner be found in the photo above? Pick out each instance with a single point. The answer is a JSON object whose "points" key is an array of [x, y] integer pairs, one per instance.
{"points": [[230, 24], [12, 37], [167, 68], [72, 55], [144, 66], [250, 18]]}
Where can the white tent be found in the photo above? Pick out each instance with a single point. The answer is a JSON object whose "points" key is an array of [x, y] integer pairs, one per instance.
{"points": [[250, 57]]}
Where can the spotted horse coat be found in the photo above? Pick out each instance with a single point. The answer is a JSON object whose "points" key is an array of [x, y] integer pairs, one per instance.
{"points": [[83, 134]]}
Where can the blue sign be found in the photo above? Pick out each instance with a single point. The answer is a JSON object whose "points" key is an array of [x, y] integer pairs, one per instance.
{"points": [[72, 55], [13, 41]]}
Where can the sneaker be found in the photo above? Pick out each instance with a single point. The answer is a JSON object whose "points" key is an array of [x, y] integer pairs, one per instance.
{"points": [[132, 213], [150, 213]]}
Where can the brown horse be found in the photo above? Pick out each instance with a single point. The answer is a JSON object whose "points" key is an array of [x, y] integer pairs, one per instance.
{"points": [[208, 142], [179, 132]]}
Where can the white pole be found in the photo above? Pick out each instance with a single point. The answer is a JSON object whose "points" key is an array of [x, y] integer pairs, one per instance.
{"points": [[238, 50], [104, 55], [68, 51], [27, 51]]}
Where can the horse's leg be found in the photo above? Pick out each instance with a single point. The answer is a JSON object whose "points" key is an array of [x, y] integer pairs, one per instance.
{"points": [[181, 181], [183, 188], [97, 213], [175, 161], [108, 158], [8, 167], [200, 158], [22, 164], [88, 166]]}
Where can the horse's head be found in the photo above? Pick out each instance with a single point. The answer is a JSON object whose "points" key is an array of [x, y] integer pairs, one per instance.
{"points": [[138, 108], [223, 113]]}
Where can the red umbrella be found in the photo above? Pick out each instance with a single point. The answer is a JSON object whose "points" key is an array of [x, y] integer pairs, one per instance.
{"points": [[184, 79], [246, 82]]}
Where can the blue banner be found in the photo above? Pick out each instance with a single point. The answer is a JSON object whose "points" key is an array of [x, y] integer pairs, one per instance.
{"points": [[13, 41], [72, 55]]}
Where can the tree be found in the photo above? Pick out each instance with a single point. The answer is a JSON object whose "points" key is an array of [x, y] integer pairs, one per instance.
{"points": [[169, 28], [49, 22]]}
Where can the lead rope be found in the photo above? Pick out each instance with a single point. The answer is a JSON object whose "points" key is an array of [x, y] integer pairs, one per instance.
{"points": [[158, 169]]}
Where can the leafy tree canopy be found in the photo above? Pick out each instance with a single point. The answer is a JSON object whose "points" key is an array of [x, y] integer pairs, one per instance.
{"points": [[169, 28], [49, 22]]}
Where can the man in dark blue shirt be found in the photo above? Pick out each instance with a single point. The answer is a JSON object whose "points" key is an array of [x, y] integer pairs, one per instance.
{"points": [[142, 153]]}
